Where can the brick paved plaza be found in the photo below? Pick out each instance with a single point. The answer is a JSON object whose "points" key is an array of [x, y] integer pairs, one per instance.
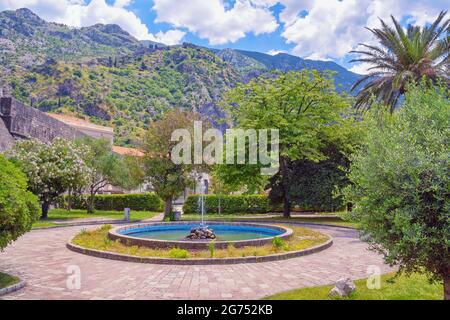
{"points": [[41, 258]]}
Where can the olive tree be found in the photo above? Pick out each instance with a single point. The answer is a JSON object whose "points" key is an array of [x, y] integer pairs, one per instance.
{"points": [[19, 208], [400, 192]]}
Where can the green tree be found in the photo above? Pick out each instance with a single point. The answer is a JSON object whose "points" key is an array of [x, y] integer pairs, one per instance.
{"points": [[316, 185], [166, 178], [19, 208], [400, 184], [303, 106], [106, 168], [242, 178], [51, 168], [403, 57]]}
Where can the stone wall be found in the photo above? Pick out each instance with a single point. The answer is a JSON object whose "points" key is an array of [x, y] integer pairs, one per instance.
{"points": [[6, 139], [24, 122]]}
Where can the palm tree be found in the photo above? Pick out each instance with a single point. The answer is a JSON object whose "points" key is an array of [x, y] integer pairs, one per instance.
{"points": [[401, 58]]}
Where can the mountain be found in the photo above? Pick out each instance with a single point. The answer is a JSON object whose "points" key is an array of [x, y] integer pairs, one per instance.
{"points": [[127, 92], [251, 63], [104, 74], [26, 40]]}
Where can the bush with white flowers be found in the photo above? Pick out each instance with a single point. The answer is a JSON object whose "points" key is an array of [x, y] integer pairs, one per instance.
{"points": [[52, 168]]}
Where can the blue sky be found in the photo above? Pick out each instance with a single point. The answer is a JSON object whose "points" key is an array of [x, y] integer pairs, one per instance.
{"points": [[263, 42], [315, 29]]}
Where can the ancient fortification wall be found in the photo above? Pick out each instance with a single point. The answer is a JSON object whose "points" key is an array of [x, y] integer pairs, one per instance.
{"points": [[6, 139], [24, 122]]}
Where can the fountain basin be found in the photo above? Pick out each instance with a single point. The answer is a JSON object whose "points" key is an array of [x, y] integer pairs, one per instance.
{"points": [[173, 234]]}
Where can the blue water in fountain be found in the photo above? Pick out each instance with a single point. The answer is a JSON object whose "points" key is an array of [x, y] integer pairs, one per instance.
{"points": [[223, 232]]}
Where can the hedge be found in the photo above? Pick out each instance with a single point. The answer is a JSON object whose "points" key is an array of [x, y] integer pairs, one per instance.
{"points": [[229, 204], [118, 202]]}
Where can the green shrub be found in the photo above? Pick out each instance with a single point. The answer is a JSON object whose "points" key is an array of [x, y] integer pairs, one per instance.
{"points": [[229, 204], [178, 253], [212, 248], [118, 202], [278, 243], [19, 208], [106, 227], [400, 184]]}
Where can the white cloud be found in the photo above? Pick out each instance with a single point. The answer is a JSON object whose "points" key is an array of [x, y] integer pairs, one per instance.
{"points": [[122, 3], [332, 28], [274, 52], [361, 68], [78, 13], [213, 21], [329, 31], [170, 37]]}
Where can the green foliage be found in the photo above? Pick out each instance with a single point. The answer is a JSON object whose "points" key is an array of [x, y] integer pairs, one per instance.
{"points": [[316, 185], [400, 178], [131, 97], [118, 202], [414, 287], [107, 167], [19, 208], [177, 253], [51, 168], [278, 243], [212, 248], [167, 178], [305, 109], [229, 204], [401, 57]]}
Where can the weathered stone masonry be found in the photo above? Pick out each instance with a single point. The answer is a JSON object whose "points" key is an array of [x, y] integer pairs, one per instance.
{"points": [[23, 122]]}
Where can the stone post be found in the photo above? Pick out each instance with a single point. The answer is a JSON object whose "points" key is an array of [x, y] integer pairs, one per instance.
{"points": [[127, 214]]}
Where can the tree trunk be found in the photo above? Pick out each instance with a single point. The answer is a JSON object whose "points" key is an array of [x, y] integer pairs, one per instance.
{"points": [[91, 200], [285, 188], [286, 206], [168, 207], [69, 200], [447, 286], [45, 206]]}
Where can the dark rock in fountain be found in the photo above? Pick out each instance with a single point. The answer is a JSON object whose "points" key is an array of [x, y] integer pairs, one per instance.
{"points": [[201, 233]]}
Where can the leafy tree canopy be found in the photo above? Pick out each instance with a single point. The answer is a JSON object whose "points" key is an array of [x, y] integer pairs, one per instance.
{"points": [[51, 168], [19, 208], [107, 168], [166, 178], [305, 109], [401, 57], [400, 183]]}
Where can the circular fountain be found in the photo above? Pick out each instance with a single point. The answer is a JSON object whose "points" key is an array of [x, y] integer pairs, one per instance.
{"points": [[174, 234], [198, 236], [192, 235]]}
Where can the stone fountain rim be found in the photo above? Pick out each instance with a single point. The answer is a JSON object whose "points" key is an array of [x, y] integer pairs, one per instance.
{"points": [[114, 234]]}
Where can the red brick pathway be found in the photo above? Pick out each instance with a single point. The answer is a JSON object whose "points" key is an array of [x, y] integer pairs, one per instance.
{"points": [[41, 258]]}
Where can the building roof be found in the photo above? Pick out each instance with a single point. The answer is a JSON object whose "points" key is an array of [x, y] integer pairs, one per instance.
{"points": [[79, 123], [127, 151], [84, 124]]}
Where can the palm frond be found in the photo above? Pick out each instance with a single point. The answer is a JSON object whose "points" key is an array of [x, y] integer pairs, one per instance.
{"points": [[404, 55]]}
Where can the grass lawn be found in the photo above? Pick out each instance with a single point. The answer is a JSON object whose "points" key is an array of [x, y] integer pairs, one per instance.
{"points": [[337, 221], [62, 215], [6, 280], [415, 287], [98, 239], [319, 220]]}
